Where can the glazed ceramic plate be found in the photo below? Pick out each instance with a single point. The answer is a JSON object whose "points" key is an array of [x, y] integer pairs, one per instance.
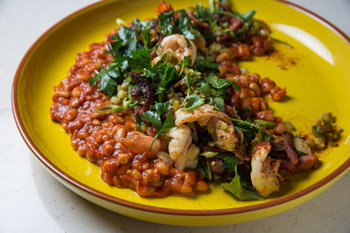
{"points": [[315, 73]]}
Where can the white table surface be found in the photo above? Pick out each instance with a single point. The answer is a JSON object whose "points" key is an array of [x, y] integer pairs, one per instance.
{"points": [[33, 201]]}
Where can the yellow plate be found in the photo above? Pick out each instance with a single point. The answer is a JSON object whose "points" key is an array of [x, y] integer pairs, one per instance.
{"points": [[315, 73]]}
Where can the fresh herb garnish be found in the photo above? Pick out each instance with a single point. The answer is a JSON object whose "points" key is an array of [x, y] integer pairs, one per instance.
{"points": [[108, 80], [209, 154], [247, 16], [229, 162], [152, 117], [204, 168], [251, 131], [282, 42], [193, 101], [155, 118], [109, 108], [236, 189], [264, 123]]}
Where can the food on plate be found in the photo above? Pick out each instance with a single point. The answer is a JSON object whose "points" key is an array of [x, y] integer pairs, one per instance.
{"points": [[163, 108]]}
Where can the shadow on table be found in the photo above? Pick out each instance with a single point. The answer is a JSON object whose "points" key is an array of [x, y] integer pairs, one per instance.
{"points": [[74, 214]]}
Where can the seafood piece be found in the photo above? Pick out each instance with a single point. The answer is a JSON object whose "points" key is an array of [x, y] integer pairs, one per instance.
{"points": [[181, 149], [264, 174], [139, 143], [218, 124], [178, 46], [226, 139], [202, 115]]}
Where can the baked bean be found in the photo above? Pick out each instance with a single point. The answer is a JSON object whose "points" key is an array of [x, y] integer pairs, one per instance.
{"points": [[223, 69], [222, 56], [96, 122], [277, 93], [121, 133], [109, 150], [267, 85], [145, 166], [83, 76], [106, 125], [145, 191], [176, 184], [123, 158], [279, 129], [190, 178], [81, 150], [122, 169], [74, 125], [74, 103], [153, 175], [77, 92], [82, 134], [254, 87], [254, 77], [71, 115], [85, 106], [244, 80], [98, 115], [74, 144], [202, 186], [63, 101], [136, 174], [186, 189], [162, 168], [64, 94], [266, 115], [116, 119], [278, 119]]}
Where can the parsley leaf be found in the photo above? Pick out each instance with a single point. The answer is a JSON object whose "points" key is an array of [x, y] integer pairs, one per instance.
{"points": [[219, 103], [168, 124], [160, 108], [204, 168], [181, 24], [140, 60], [202, 64], [170, 75], [125, 42], [108, 81], [220, 83], [193, 101], [236, 189], [165, 22], [152, 117], [205, 89], [251, 131], [229, 163]]}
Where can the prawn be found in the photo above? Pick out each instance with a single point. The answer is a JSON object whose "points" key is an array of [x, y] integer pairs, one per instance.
{"points": [[139, 143], [181, 149], [264, 174], [218, 124], [178, 46], [202, 115]]}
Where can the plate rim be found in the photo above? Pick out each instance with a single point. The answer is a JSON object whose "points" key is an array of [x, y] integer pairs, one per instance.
{"points": [[143, 207]]}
